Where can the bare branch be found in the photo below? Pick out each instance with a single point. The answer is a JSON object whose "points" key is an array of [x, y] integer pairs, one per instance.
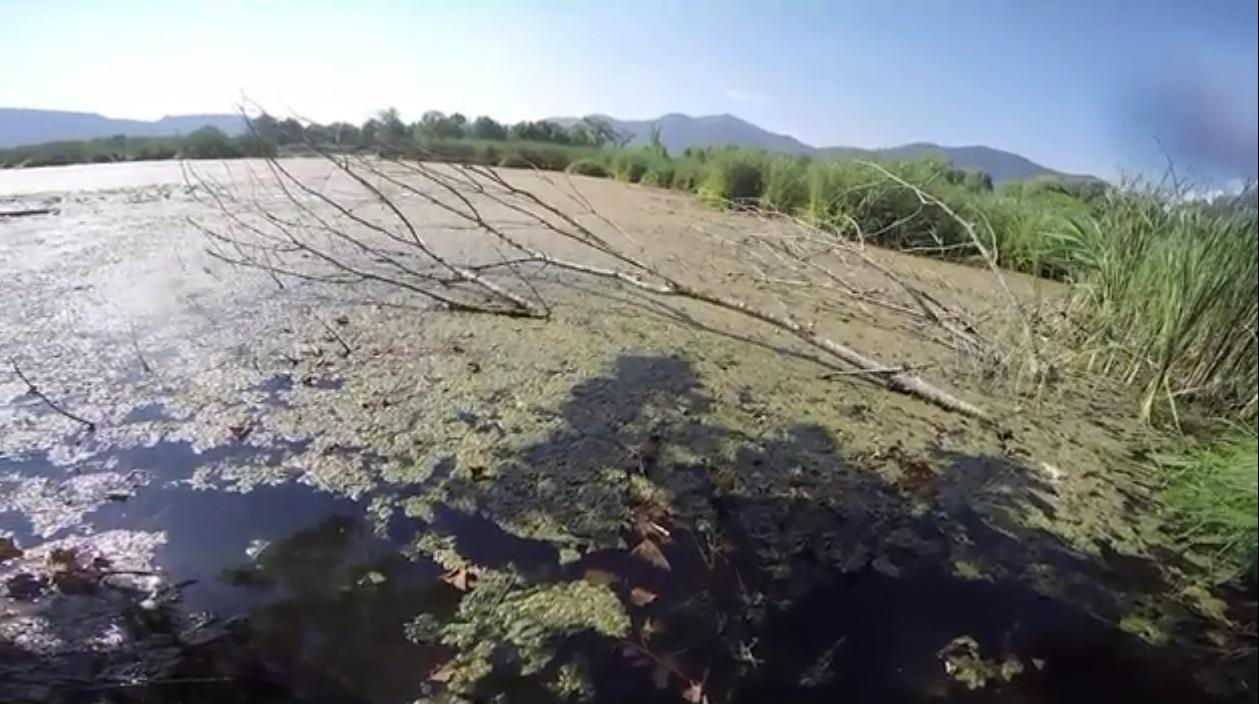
{"points": [[33, 390]]}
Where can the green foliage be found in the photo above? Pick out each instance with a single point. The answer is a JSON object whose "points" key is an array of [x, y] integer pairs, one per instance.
{"points": [[529, 620], [735, 176], [388, 127], [437, 125], [487, 128], [786, 186], [659, 173], [1169, 301], [1212, 490], [688, 173], [154, 151], [453, 150], [208, 143], [630, 166], [515, 161], [588, 167]]}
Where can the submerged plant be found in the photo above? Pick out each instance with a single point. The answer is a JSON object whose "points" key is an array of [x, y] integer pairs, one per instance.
{"points": [[502, 614]]}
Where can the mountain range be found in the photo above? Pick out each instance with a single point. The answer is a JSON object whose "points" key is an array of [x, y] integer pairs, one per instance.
{"points": [[24, 126], [677, 132]]}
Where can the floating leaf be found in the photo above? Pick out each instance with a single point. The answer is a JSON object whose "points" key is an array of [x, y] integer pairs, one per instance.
{"points": [[641, 597], [649, 552]]}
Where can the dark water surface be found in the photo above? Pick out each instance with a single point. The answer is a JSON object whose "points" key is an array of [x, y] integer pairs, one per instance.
{"points": [[316, 614]]}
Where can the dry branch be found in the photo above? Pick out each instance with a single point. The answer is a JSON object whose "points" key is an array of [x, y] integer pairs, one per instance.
{"points": [[27, 212], [33, 390], [342, 246]]}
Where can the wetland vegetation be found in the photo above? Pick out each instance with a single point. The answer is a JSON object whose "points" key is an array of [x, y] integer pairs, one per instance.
{"points": [[622, 486]]}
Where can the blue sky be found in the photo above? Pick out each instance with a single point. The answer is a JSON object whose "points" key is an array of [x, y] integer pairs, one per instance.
{"points": [[1081, 86]]}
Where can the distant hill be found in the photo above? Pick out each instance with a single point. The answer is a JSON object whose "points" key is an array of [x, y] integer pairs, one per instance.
{"points": [[1001, 165], [677, 132], [23, 126]]}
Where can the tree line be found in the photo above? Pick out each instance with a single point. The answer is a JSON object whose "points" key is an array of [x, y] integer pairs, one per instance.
{"points": [[388, 128], [267, 135]]}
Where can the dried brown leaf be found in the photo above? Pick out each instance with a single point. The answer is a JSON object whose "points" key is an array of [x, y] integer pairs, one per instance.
{"points": [[63, 558], [443, 673], [694, 693], [9, 549], [649, 552], [461, 578], [641, 597], [600, 578]]}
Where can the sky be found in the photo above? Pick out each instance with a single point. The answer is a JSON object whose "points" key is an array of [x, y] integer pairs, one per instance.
{"points": [[1101, 86]]}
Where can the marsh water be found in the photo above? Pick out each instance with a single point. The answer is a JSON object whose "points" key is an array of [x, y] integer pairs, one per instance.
{"points": [[263, 517]]}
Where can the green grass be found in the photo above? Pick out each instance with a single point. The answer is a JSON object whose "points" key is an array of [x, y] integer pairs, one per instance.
{"points": [[509, 153], [735, 177], [1212, 491], [589, 167], [1168, 297]]}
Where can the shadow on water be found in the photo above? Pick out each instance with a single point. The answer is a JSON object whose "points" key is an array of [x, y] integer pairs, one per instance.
{"points": [[785, 573]]}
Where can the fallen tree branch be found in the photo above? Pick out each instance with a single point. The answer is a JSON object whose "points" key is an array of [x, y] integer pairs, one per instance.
{"points": [[33, 390], [348, 243], [989, 255]]}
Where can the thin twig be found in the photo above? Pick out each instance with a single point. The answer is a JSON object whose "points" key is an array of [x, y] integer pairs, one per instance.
{"points": [[33, 390]]}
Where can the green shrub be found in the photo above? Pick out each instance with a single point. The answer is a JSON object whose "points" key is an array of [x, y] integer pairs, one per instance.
{"points": [[688, 173], [546, 157], [154, 152], [735, 176], [449, 150], [588, 167], [208, 143], [489, 154], [515, 161], [629, 166], [786, 187], [659, 173]]}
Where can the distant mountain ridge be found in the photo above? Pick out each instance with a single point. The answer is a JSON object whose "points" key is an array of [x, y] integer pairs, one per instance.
{"points": [[20, 126], [677, 132]]}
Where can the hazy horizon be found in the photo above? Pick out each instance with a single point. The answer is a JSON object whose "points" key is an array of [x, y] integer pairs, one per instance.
{"points": [[1099, 88]]}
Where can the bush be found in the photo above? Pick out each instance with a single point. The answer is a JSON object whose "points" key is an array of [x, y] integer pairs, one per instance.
{"points": [[588, 167], [735, 176], [786, 187], [515, 161], [546, 156], [208, 143], [489, 154], [449, 150], [630, 166], [154, 152], [688, 173], [659, 174]]}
